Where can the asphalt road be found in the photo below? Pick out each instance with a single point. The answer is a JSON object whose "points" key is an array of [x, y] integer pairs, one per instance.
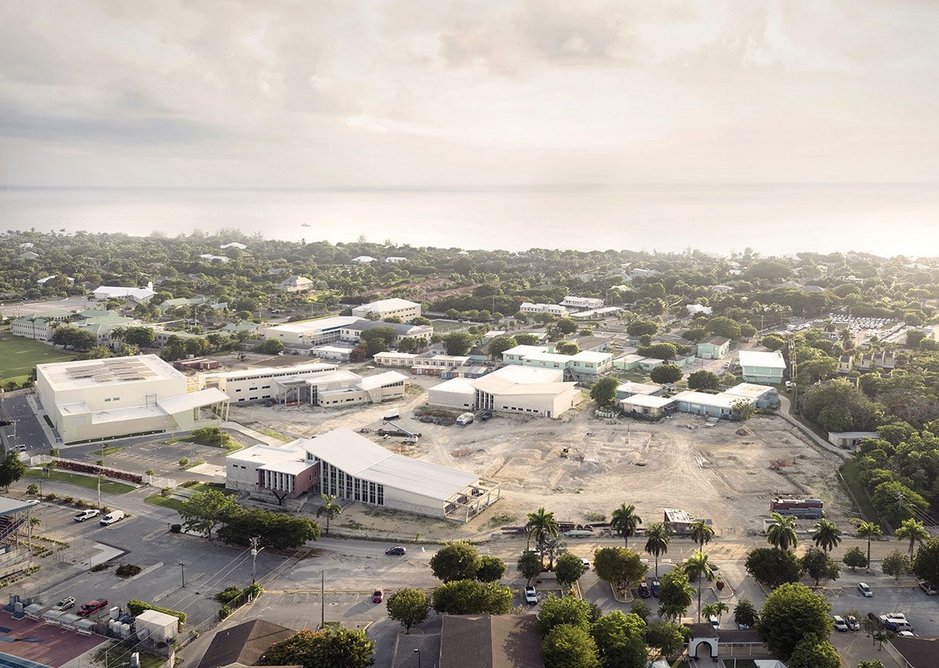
{"points": [[27, 429]]}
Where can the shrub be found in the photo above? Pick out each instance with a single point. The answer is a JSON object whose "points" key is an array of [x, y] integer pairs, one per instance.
{"points": [[51, 496], [97, 568], [165, 492], [127, 570], [32, 489], [176, 528]]}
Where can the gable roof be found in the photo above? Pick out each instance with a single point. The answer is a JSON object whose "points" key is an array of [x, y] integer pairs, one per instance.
{"points": [[917, 652], [490, 641], [244, 644]]}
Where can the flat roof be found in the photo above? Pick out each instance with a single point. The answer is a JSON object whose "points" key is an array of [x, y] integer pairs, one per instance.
{"points": [[525, 350], [527, 375], [773, 360], [496, 385], [751, 390], [9, 506], [638, 388], [721, 400], [382, 379], [317, 325], [591, 356], [391, 354], [83, 374], [391, 304], [647, 401], [184, 402], [268, 453], [297, 369], [456, 386]]}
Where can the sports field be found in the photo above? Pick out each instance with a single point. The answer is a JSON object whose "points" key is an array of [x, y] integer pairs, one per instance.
{"points": [[18, 356]]}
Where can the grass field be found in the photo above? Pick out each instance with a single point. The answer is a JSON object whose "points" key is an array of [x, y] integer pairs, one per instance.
{"points": [[164, 501], [88, 482], [18, 356]]}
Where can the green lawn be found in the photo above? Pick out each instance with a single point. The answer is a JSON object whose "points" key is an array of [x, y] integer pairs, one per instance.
{"points": [[164, 501], [88, 482], [18, 356]]}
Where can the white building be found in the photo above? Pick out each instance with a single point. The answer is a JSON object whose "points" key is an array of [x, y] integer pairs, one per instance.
{"points": [[341, 388], [295, 284], [349, 466], [848, 440], [233, 244], [647, 406], [247, 385], [395, 359], [389, 308], [766, 368], [585, 367], [395, 259], [157, 626], [712, 405], [139, 295], [209, 257], [364, 259], [552, 309], [764, 396], [123, 396], [308, 333], [698, 309], [571, 301], [332, 353], [352, 332], [511, 389], [631, 389]]}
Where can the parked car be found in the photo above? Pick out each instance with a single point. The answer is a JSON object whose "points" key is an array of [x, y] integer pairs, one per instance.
{"points": [[531, 596], [92, 607], [578, 533], [586, 564], [644, 590], [928, 588], [714, 621], [840, 625], [396, 551], [87, 514], [656, 587], [853, 623], [378, 596], [65, 604], [465, 419], [486, 416], [896, 621], [112, 517], [906, 634], [865, 590]]}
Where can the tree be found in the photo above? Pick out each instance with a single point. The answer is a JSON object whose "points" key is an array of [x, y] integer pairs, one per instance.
{"points": [[491, 569], [745, 614], [793, 612], [408, 606], [699, 568], [781, 532], [569, 646], [499, 345], [657, 540], [826, 536], [870, 664], [331, 647], [773, 567], [773, 342], [665, 373], [854, 558], [675, 594], [926, 562], [625, 521], [12, 468], [457, 343], [567, 348], [642, 327], [541, 526], [566, 326], [703, 380], [659, 351], [469, 597], [618, 565], [456, 561], [914, 531], [869, 531], [568, 570], [557, 610], [143, 337], [896, 564], [330, 509], [896, 502], [742, 410], [666, 638], [604, 391], [270, 347], [723, 326], [620, 640], [529, 565], [817, 564], [701, 533], [203, 511], [276, 530], [813, 652]]}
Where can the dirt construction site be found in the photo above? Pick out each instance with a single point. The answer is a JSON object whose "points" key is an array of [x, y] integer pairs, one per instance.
{"points": [[581, 467]]}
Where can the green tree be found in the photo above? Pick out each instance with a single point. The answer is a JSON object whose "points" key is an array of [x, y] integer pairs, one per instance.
{"points": [[715, 610], [659, 351], [555, 610], [618, 565], [270, 347], [458, 343], [772, 567], [491, 569], [781, 532], [499, 345], [817, 564], [699, 568], [868, 531], [926, 562], [569, 646], [826, 535], [896, 564], [12, 468], [604, 391], [568, 569], [703, 380], [793, 612], [745, 613], [276, 530], [642, 328], [529, 565], [620, 640], [701, 533], [143, 337], [469, 597], [870, 664], [456, 561], [813, 652], [657, 540], [566, 326], [666, 638], [742, 410], [567, 348], [349, 648], [203, 511], [854, 558], [913, 531], [409, 607], [330, 509], [541, 526], [723, 326], [773, 342], [625, 521], [525, 339], [675, 594], [665, 373]]}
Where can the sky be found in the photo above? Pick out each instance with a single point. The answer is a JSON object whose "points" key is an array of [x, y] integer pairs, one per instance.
{"points": [[453, 94]]}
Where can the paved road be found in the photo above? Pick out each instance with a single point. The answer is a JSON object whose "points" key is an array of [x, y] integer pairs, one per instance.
{"points": [[27, 429]]}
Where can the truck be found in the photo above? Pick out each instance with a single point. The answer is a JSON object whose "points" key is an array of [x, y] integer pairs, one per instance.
{"points": [[807, 509], [465, 419]]}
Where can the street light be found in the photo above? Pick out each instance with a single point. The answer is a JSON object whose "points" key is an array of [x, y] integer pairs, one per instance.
{"points": [[182, 573], [418, 652]]}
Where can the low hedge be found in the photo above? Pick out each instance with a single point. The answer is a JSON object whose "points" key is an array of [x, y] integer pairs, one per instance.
{"points": [[80, 467], [136, 607]]}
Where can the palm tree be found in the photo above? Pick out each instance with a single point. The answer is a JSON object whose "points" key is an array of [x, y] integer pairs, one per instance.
{"points": [[657, 540], [715, 610], [781, 533], [541, 526], [868, 530], [826, 536], [698, 567], [554, 546], [329, 508], [914, 531], [625, 521], [701, 533]]}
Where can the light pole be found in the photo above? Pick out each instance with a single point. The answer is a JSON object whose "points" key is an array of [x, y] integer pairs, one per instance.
{"points": [[417, 651], [182, 573]]}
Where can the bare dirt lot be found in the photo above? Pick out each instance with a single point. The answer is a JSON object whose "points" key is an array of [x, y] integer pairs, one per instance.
{"points": [[728, 472]]}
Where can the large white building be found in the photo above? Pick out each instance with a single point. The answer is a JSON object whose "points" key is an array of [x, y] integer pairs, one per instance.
{"points": [[552, 309], [246, 385], [389, 308], [572, 301], [93, 400], [139, 295], [305, 334], [349, 466], [511, 389], [342, 388], [584, 367], [766, 368]]}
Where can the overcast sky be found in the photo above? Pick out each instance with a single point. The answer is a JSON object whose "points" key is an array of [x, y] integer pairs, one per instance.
{"points": [[416, 93]]}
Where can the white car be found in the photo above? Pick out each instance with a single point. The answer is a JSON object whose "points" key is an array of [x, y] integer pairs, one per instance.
{"points": [[840, 625], [87, 514], [865, 590], [531, 596], [112, 517], [853, 623]]}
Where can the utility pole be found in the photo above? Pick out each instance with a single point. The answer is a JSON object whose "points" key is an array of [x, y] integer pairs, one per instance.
{"points": [[322, 599], [254, 558], [182, 573]]}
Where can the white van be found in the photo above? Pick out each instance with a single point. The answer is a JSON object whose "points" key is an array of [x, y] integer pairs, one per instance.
{"points": [[112, 517], [394, 415], [465, 419]]}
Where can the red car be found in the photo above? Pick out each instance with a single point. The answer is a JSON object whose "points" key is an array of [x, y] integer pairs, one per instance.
{"points": [[91, 607], [378, 596]]}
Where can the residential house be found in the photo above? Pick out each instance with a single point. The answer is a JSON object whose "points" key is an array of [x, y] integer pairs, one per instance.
{"points": [[582, 303], [295, 284], [766, 368], [714, 348], [848, 440]]}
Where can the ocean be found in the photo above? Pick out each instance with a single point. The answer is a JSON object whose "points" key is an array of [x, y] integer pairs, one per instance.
{"points": [[770, 219]]}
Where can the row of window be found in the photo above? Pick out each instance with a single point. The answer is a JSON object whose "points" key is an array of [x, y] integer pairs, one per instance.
{"points": [[338, 483], [110, 399]]}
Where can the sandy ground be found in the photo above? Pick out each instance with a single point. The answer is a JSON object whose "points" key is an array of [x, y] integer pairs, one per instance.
{"points": [[722, 472]]}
